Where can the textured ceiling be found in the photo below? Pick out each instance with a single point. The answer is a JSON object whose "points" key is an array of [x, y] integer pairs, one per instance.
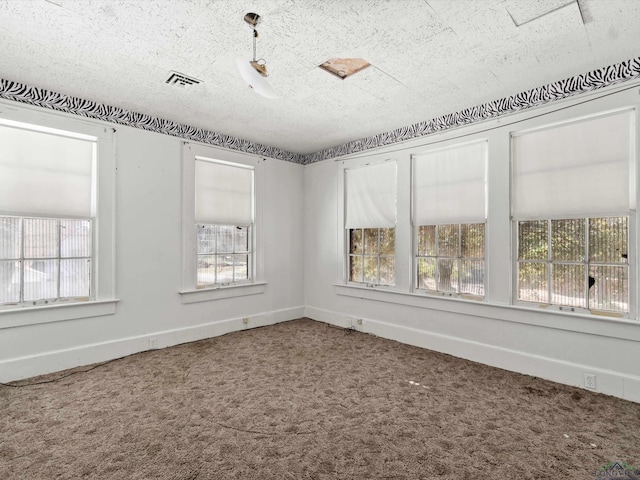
{"points": [[429, 58]]}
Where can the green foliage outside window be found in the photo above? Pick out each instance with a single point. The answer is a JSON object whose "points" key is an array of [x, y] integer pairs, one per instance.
{"points": [[574, 262]]}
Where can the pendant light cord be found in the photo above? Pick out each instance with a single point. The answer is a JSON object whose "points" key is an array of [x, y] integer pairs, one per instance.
{"points": [[255, 35]]}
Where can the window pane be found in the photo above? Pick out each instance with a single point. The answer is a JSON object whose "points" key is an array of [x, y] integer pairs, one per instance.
{"points": [[610, 290], [472, 277], [355, 268], [533, 282], [40, 238], [9, 281], [447, 275], [225, 238], [206, 274], [206, 238], [224, 269], [75, 277], [40, 279], [568, 285], [387, 241], [533, 240], [371, 241], [427, 241], [387, 271], [568, 240], [427, 273], [608, 240], [448, 240], [9, 238], [472, 240], [75, 238], [355, 240], [242, 239], [240, 271], [371, 270]]}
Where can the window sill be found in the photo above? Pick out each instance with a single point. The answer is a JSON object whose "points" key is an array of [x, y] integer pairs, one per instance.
{"points": [[594, 323], [218, 293], [22, 316]]}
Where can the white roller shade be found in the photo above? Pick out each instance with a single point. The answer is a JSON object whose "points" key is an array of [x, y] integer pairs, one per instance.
{"points": [[581, 168], [371, 193], [224, 193], [449, 185], [45, 174]]}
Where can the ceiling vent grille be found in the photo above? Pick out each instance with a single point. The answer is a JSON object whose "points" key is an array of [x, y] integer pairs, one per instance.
{"points": [[181, 80]]}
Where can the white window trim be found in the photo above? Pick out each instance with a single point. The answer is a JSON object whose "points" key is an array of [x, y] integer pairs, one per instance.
{"points": [[103, 300], [632, 214], [257, 285], [403, 258]]}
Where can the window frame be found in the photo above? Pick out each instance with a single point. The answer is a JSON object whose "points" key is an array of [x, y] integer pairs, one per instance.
{"points": [[364, 255], [343, 234], [631, 215], [189, 291], [549, 262], [58, 257], [102, 300], [458, 259], [233, 253]]}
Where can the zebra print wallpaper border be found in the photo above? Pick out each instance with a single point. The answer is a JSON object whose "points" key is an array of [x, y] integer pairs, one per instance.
{"points": [[594, 80]]}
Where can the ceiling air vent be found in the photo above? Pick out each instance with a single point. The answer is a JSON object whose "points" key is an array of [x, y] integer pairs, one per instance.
{"points": [[181, 80], [344, 67]]}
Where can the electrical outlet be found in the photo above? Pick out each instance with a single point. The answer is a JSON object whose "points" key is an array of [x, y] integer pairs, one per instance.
{"points": [[590, 381], [359, 321], [245, 320], [153, 342]]}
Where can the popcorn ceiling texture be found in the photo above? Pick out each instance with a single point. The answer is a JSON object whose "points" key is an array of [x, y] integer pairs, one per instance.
{"points": [[587, 82], [301, 400]]}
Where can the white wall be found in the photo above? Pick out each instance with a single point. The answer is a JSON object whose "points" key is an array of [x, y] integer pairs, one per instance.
{"points": [[148, 268], [303, 245], [554, 345]]}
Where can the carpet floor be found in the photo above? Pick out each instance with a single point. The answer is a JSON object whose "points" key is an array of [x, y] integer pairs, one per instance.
{"points": [[302, 400]]}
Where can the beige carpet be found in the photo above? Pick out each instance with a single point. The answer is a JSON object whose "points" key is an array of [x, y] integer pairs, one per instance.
{"points": [[301, 400]]}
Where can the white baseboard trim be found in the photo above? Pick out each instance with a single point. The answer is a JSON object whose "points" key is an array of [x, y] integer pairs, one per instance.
{"points": [[607, 381], [48, 362]]}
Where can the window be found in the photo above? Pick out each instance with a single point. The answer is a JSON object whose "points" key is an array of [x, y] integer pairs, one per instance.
{"points": [[449, 215], [224, 254], [451, 258], [577, 263], [221, 224], [224, 216], [371, 255], [370, 223], [572, 202], [48, 212], [44, 259]]}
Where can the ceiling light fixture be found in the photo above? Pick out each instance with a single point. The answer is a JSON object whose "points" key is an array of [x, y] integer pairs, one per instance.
{"points": [[255, 72]]}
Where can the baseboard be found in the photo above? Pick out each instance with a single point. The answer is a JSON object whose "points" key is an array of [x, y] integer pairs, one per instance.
{"points": [[48, 362], [608, 382]]}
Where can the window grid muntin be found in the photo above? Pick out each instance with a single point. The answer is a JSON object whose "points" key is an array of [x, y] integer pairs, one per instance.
{"points": [[23, 259], [457, 260], [589, 265], [217, 254], [377, 256]]}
